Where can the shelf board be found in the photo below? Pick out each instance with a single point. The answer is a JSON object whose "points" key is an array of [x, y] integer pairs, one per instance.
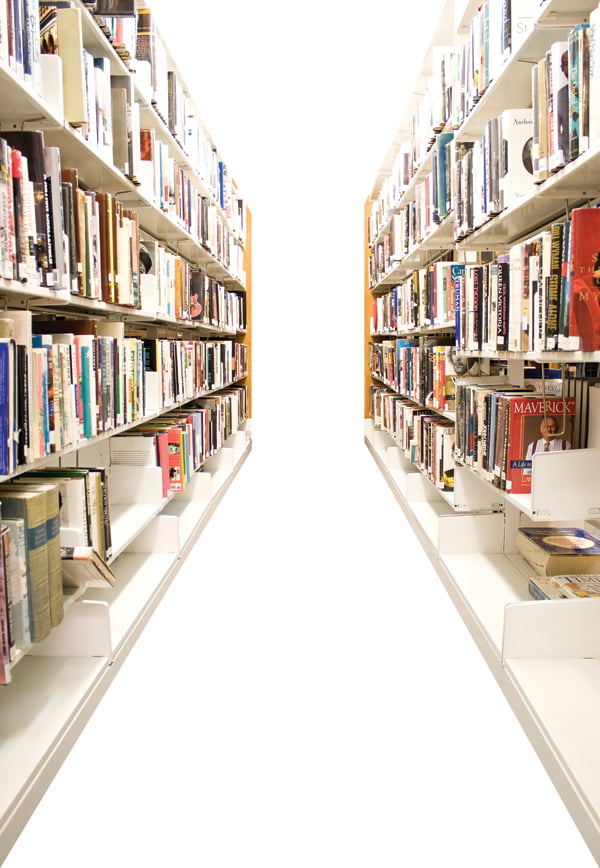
{"points": [[556, 700], [487, 582], [139, 579], [514, 78], [551, 11], [558, 704], [50, 699], [43, 711]]}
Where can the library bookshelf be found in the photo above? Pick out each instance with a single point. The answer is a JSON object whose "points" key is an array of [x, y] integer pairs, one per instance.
{"points": [[544, 654], [183, 208]]}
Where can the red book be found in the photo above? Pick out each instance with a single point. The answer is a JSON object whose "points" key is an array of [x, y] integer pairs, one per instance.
{"points": [[175, 446], [584, 319], [534, 425]]}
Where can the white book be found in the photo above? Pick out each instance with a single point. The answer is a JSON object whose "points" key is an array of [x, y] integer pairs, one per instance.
{"points": [[516, 162], [20, 591], [90, 96], [103, 106], [71, 50], [28, 202], [515, 339]]}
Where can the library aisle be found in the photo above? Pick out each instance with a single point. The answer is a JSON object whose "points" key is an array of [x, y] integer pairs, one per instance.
{"points": [[285, 708]]}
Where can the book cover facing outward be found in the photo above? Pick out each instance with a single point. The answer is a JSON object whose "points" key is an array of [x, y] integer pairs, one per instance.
{"points": [[534, 425], [570, 587], [553, 551]]}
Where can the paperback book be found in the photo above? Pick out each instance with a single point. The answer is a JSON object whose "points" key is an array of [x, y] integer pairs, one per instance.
{"points": [[570, 587]]}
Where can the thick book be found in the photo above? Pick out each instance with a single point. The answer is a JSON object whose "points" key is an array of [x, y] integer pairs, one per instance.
{"points": [[583, 300], [570, 587], [17, 502], [553, 551], [82, 567], [51, 494], [70, 48]]}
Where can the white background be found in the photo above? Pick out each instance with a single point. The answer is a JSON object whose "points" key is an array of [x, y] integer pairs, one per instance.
{"points": [[306, 694]]}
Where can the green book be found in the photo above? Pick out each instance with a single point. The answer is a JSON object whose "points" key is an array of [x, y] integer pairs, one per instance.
{"points": [[51, 492], [20, 502]]}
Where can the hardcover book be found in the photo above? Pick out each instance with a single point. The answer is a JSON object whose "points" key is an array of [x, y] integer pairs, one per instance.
{"points": [[583, 303], [17, 502], [534, 425], [553, 551]]}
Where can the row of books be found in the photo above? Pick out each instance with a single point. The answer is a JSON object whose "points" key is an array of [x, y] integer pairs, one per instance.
{"points": [[500, 428], [426, 298], [55, 530], [172, 288], [180, 441], [472, 181], [460, 76], [492, 174], [44, 515], [542, 295], [107, 112], [425, 439], [86, 242], [421, 369], [478, 179], [67, 380]]}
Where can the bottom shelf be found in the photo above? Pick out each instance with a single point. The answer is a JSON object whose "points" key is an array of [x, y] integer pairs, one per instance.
{"points": [[545, 655], [52, 696]]}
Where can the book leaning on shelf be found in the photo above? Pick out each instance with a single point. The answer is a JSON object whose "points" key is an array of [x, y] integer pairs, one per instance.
{"points": [[82, 567]]}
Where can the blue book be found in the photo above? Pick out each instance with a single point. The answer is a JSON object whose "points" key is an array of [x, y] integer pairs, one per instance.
{"points": [[441, 180], [86, 396]]}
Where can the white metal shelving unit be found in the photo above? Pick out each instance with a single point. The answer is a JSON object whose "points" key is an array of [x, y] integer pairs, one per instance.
{"points": [[57, 684], [545, 655]]}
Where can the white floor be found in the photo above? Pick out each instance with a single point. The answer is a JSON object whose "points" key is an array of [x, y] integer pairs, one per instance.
{"points": [[305, 695]]}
